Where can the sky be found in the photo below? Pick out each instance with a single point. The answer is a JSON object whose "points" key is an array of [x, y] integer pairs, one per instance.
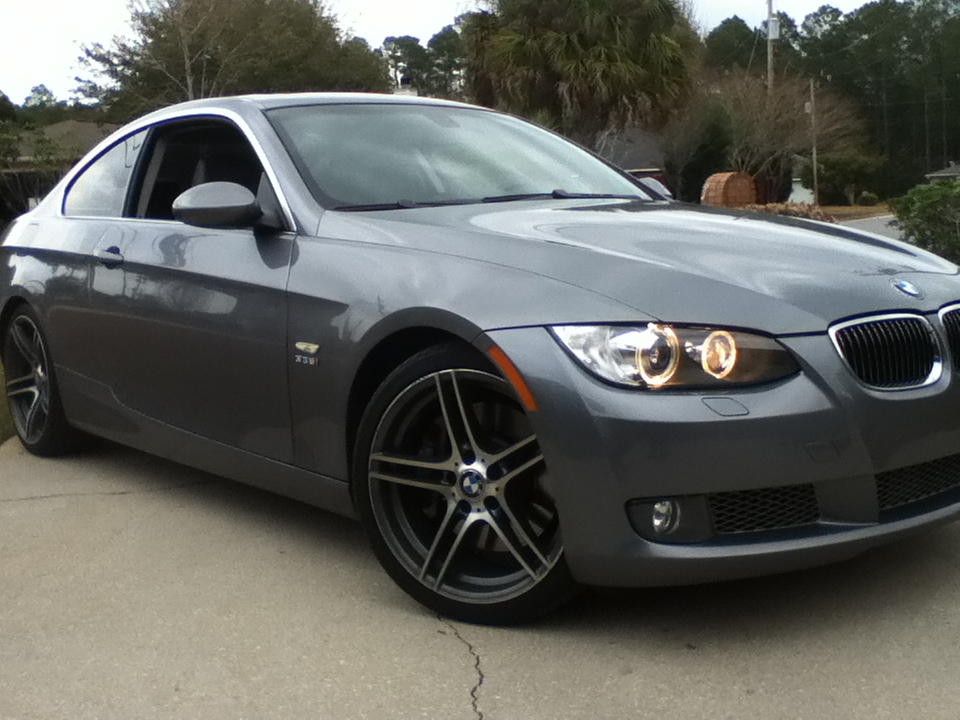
{"points": [[40, 39]]}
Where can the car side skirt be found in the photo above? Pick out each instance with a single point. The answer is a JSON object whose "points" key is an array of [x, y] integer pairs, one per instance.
{"points": [[90, 406]]}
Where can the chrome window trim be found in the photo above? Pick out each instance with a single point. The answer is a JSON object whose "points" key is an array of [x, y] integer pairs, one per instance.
{"points": [[148, 123], [936, 372]]}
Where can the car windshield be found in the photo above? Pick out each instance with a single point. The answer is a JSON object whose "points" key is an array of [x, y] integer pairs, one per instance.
{"points": [[386, 156]]}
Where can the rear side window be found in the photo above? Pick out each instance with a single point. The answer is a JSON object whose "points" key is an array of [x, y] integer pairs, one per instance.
{"points": [[101, 189]]}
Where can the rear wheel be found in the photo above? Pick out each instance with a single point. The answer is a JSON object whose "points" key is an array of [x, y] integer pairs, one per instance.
{"points": [[31, 388], [454, 494]]}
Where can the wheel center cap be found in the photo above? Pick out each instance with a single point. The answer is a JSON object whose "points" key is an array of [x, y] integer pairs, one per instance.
{"points": [[471, 483]]}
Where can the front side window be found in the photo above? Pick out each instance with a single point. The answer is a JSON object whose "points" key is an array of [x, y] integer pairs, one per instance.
{"points": [[380, 154], [100, 190], [184, 154]]}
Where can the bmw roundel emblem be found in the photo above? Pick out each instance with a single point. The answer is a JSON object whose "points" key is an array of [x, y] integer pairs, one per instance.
{"points": [[471, 483], [908, 288]]}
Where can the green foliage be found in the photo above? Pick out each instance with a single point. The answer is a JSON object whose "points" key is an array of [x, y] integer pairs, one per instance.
{"points": [[592, 65], [929, 215], [868, 199], [695, 144], [8, 111], [733, 45], [435, 70], [844, 173], [22, 178], [188, 49], [899, 62]]}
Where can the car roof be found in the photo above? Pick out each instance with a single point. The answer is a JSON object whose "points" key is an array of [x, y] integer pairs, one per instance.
{"points": [[241, 103]]}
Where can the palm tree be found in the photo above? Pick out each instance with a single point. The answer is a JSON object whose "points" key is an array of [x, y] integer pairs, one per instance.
{"points": [[586, 66]]}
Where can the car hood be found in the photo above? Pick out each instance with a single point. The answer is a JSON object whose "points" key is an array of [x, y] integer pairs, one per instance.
{"points": [[679, 263]]}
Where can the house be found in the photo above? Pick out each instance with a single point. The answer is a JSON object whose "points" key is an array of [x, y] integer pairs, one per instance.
{"points": [[71, 138], [35, 170], [949, 173]]}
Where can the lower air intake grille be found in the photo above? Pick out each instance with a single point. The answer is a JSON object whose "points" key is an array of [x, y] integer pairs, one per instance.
{"points": [[766, 509], [890, 353], [917, 482]]}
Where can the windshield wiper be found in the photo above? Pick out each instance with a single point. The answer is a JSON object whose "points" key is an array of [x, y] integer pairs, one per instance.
{"points": [[560, 194], [399, 205]]}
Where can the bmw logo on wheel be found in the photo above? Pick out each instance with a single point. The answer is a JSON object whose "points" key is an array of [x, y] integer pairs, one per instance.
{"points": [[471, 482]]}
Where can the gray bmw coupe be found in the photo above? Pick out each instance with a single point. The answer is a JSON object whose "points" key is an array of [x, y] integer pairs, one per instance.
{"points": [[522, 371]]}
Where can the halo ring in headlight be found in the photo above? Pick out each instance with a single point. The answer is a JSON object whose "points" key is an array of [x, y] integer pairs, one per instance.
{"points": [[718, 354], [658, 356]]}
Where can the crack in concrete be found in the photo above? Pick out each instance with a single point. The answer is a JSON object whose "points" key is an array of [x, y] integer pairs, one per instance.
{"points": [[475, 690], [108, 493]]}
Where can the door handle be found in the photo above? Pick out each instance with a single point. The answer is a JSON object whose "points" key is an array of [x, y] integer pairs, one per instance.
{"points": [[110, 257]]}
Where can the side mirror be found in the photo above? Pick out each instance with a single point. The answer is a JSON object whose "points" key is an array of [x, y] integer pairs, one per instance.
{"points": [[217, 205]]}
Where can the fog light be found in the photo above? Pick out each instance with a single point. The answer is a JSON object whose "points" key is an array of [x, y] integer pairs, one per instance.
{"points": [[666, 515]]}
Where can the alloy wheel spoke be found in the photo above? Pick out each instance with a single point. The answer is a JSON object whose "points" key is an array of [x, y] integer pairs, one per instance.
{"points": [[443, 466], [22, 386], [28, 346], [468, 522], [522, 535], [455, 419], [501, 464], [532, 462], [408, 482], [442, 532], [32, 416], [510, 451], [508, 535]]}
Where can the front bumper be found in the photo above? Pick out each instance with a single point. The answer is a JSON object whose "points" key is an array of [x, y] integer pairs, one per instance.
{"points": [[607, 448]]}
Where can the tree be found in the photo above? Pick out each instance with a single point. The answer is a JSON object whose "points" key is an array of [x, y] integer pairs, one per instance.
{"points": [[695, 143], [188, 49], [586, 66], [929, 215], [844, 173], [8, 111], [435, 70], [446, 49], [898, 61], [40, 97], [733, 45], [766, 132], [409, 59]]}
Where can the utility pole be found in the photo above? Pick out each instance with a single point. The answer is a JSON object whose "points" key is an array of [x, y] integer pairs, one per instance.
{"points": [[773, 33], [813, 131]]}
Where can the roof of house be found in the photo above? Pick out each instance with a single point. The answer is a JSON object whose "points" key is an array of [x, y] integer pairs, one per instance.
{"points": [[74, 136], [633, 149], [948, 173]]}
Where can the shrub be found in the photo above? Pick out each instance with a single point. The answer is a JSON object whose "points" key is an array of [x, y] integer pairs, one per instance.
{"points": [[929, 216], [868, 199], [797, 210]]}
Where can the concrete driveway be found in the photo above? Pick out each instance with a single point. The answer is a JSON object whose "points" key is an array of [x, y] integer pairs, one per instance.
{"points": [[135, 588]]}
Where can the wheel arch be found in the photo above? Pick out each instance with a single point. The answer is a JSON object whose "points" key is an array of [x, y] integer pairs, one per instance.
{"points": [[9, 308], [381, 359]]}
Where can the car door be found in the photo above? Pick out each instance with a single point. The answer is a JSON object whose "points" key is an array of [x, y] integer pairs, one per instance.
{"points": [[194, 319], [59, 248]]}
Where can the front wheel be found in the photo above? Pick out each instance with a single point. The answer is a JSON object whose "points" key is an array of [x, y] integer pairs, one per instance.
{"points": [[454, 494]]}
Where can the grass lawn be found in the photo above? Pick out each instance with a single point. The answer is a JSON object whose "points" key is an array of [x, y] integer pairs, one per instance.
{"points": [[6, 424]]}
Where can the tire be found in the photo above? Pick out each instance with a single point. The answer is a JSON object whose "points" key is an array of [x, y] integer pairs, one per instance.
{"points": [[31, 388], [453, 493]]}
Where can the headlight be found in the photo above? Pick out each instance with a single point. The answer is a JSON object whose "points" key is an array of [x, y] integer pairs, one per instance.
{"points": [[658, 355]]}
